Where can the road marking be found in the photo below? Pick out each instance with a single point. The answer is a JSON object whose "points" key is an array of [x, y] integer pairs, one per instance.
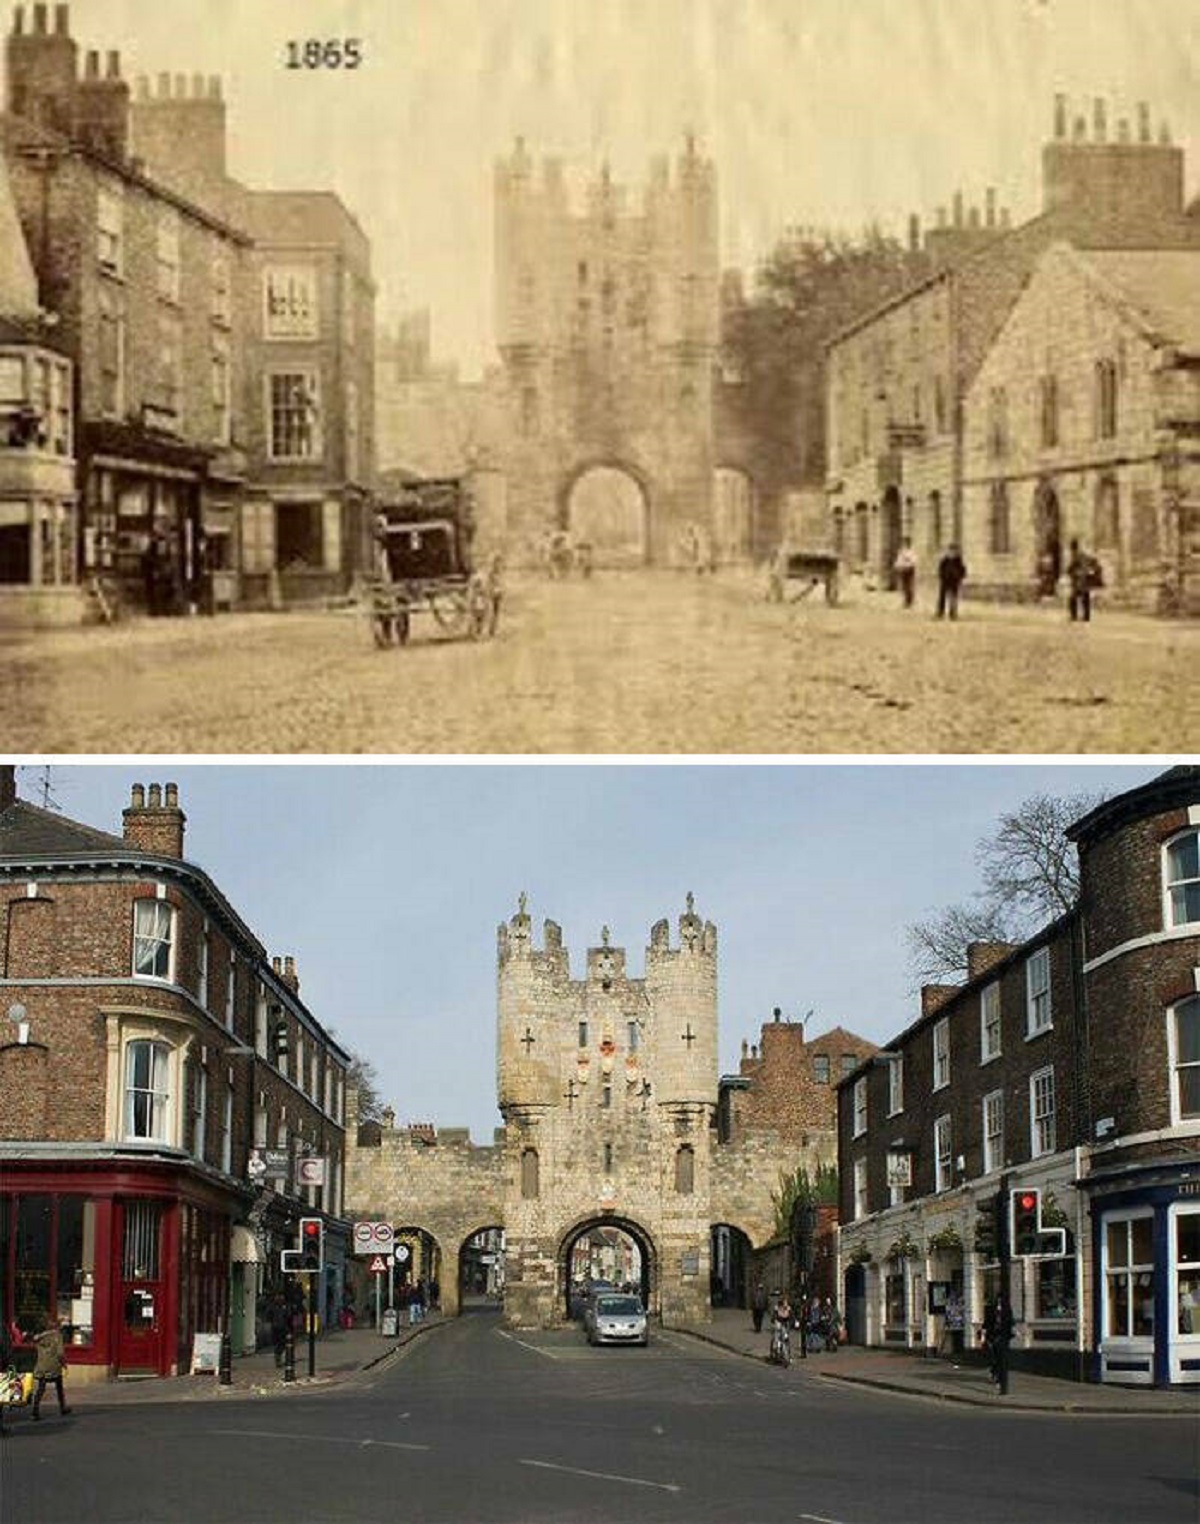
{"points": [[603, 1476], [549, 1354], [819, 1518], [324, 1439]]}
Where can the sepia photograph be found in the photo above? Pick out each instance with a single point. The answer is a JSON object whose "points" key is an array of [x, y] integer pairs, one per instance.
{"points": [[542, 377], [353, 1117]]}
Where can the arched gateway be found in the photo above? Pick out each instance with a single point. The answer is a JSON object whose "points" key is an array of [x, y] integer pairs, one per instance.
{"points": [[623, 1156], [607, 507]]}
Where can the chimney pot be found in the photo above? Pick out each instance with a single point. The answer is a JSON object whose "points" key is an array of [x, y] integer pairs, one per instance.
{"points": [[181, 87], [914, 233], [164, 87], [198, 87], [1123, 134], [156, 796], [39, 18], [172, 796], [137, 797], [1080, 129], [941, 217], [990, 197], [18, 21], [214, 87], [91, 64], [973, 218], [1005, 217], [1060, 117], [277, 965], [62, 20], [114, 64], [142, 88]]}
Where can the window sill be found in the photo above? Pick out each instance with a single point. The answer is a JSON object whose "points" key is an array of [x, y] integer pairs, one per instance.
{"points": [[1041, 1032], [990, 1058]]}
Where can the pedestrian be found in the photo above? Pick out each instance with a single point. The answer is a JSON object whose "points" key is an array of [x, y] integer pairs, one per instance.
{"points": [[281, 1326], [416, 1304], [998, 1326], [952, 573], [758, 1305], [50, 1365], [905, 567], [1083, 574], [831, 1324]]}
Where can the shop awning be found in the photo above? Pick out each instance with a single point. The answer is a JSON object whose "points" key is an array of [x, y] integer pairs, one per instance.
{"points": [[244, 1247]]}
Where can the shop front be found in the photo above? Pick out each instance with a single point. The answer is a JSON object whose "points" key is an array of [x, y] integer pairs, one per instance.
{"points": [[132, 1261], [1146, 1247]]}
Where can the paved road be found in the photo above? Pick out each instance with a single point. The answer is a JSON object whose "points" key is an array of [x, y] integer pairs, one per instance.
{"points": [[473, 1423], [641, 662]]}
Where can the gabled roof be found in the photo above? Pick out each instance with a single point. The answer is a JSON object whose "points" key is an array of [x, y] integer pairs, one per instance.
{"points": [[26, 830], [1161, 286]]}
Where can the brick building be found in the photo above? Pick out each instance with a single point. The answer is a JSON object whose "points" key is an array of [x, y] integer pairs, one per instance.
{"points": [[898, 377], [615, 1123], [157, 1058], [142, 280], [1084, 422], [1065, 1064], [37, 440], [223, 335]]}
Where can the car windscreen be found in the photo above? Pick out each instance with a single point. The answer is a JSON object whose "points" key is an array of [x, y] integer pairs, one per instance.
{"points": [[618, 1307]]}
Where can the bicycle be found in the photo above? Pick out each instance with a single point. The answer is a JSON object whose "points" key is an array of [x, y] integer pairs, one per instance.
{"points": [[781, 1345]]}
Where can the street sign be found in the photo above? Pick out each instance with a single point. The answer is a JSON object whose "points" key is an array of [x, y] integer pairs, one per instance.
{"points": [[256, 1166], [276, 1162], [401, 1253], [378, 1267], [373, 1238]]}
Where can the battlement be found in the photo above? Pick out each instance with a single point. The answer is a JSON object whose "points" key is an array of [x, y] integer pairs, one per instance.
{"points": [[515, 940], [570, 196]]}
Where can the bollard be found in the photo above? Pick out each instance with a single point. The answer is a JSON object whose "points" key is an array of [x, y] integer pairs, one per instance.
{"points": [[225, 1365], [289, 1356]]}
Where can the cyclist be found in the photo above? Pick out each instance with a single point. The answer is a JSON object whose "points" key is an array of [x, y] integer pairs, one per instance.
{"points": [[781, 1331]]}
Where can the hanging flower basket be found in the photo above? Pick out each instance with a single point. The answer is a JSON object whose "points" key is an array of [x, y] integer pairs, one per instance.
{"points": [[861, 1256], [948, 1240], [904, 1247]]}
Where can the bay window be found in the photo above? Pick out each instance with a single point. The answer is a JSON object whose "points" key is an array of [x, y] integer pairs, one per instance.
{"points": [[147, 1090]]}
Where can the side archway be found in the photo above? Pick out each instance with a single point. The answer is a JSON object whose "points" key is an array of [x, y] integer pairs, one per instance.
{"points": [[481, 1269], [729, 1256], [614, 1249], [607, 506], [733, 514]]}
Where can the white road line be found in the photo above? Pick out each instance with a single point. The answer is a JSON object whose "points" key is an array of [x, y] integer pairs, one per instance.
{"points": [[602, 1476], [549, 1354], [322, 1439], [819, 1518]]}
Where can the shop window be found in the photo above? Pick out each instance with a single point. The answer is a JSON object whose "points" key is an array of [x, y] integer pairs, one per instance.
{"points": [[894, 1300], [1129, 1277], [1187, 1270], [153, 940], [1183, 1047], [51, 1240], [1038, 1014], [1181, 877], [685, 1170], [530, 1183], [299, 537], [147, 1090], [1054, 1290]]}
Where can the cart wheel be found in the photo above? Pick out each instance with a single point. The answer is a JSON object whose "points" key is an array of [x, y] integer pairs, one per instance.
{"points": [[479, 610]]}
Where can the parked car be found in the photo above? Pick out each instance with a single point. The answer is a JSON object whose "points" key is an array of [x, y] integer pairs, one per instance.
{"points": [[615, 1318]]}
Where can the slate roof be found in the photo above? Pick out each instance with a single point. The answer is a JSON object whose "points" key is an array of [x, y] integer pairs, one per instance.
{"points": [[26, 830], [1161, 285]]}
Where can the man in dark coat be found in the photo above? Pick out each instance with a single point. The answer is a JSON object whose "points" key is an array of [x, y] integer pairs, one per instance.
{"points": [[952, 573]]}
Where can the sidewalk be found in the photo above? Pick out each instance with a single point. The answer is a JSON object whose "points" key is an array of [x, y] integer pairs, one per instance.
{"points": [[340, 1354], [945, 1380]]}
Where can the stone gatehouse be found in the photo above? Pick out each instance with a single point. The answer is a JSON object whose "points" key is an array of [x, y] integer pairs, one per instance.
{"points": [[615, 1117]]}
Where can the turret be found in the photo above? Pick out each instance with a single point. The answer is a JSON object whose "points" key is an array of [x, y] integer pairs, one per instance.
{"points": [[530, 987], [681, 988]]}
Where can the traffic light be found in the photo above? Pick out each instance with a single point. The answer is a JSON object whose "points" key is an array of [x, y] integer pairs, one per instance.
{"points": [[987, 1238], [312, 1245], [1026, 1220]]}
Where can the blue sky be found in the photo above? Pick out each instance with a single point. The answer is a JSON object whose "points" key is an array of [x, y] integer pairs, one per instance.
{"points": [[387, 883]]}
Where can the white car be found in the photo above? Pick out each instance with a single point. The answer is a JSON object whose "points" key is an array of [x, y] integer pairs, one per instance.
{"points": [[616, 1318]]}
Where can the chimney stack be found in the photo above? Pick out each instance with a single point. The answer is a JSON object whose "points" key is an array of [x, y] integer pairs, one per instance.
{"points": [[290, 977], [152, 825], [62, 20], [958, 209], [8, 786], [914, 234], [1099, 122], [991, 206]]}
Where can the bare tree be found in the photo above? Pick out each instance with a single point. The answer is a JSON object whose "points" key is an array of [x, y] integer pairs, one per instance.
{"points": [[1030, 874], [361, 1076]]}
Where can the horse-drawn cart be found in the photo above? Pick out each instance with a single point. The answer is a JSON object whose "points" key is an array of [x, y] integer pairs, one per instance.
{"points": [[809, 568], [424, 565]]}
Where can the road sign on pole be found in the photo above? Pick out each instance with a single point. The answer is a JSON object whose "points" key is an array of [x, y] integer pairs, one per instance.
{"points": [[378, 1265]]}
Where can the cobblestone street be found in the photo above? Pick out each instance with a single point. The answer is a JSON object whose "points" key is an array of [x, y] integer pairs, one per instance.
{"points": [[624, 663]]}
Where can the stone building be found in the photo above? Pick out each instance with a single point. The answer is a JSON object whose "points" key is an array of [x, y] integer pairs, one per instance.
{"points": [[607, 327], [1065, 1065], [1084, 422], [615, 1120], [161, 1082], [898, 377], [37, 442]]}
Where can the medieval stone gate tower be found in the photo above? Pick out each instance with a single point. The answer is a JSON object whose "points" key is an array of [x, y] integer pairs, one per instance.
{"points": [[608, 1087], [607, 321]]}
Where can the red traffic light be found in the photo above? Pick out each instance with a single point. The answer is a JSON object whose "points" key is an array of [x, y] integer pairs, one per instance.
{"points": [[312, 1229], [1026, 1201]]}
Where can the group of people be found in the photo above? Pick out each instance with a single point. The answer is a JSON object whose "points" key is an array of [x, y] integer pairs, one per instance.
{"points": [[418, 1298], [1083, 570], [49, 1364], [819, 1321]]}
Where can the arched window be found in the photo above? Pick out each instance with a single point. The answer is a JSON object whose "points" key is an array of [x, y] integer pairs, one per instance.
{"points": [[1000, 522], [685, 1170], [1181, 879], [529, 1175], [147, 1090]]}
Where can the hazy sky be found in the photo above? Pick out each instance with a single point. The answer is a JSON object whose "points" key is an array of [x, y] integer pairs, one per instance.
{"points": [[832, 112], [387, 883]]}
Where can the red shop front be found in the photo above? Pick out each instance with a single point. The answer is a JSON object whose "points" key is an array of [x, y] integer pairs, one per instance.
{"points": [[131, 1257]]}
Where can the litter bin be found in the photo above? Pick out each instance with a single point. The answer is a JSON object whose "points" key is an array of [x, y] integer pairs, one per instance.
{"points": [[389, 1322]]}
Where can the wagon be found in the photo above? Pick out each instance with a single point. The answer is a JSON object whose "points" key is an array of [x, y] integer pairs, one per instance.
{"points": [[809, 568], [424, 566]]}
